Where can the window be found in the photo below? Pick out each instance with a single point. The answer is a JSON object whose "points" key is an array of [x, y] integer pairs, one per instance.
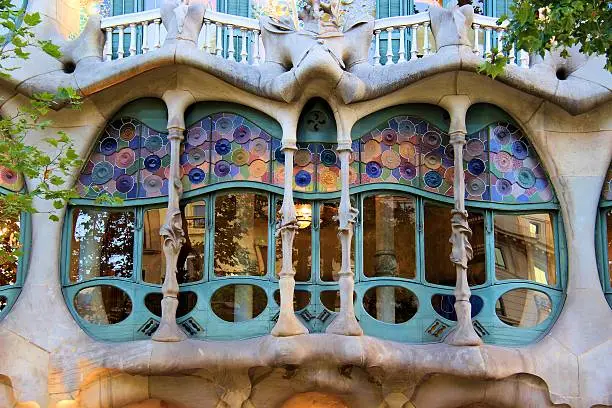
{"points": [[604, 236]]}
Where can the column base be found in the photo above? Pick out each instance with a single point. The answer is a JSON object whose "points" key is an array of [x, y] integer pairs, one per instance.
{"points": [[463, 334], [168, 330], [288, 325], [345, 325]]}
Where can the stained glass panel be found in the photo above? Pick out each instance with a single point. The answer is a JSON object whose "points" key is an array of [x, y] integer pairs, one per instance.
{"points": [[10, 179]]}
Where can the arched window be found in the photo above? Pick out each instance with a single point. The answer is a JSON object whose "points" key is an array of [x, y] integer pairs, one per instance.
{"points": [[604, 237], [401, 176], [13, 243]]}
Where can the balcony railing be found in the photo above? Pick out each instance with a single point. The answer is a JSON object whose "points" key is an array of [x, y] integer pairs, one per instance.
{"points": [[396, 39]]}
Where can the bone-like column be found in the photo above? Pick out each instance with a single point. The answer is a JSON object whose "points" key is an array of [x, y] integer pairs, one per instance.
{"points": [[463, 334], [287, 324], [345, 322], [174, 238]]}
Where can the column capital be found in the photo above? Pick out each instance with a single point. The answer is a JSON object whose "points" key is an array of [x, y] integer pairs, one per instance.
{"points": [[176, 133], [457, 137]]}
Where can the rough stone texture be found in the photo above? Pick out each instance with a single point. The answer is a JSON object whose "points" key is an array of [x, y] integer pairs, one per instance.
{"points": [[46, 360]]}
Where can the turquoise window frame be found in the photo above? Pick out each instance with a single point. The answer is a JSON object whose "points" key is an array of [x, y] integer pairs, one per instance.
{"points": [[601, 244], [11, 292]]}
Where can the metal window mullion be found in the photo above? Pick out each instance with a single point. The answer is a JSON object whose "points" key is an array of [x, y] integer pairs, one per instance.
{"points": [[138, 238], [316, 244], [359, 273], [560, 251], [271, 239], [420, 240], [66, 246], [489, 226], [209, 262]]}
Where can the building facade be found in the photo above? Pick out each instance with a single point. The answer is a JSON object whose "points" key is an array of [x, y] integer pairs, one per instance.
{"points": [[319, 208]]}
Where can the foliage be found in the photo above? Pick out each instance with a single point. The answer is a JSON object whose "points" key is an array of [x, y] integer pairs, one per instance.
{"points": [[543, 25]]}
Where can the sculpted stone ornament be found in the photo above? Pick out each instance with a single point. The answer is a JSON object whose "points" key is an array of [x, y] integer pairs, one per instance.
{"points": [[182, 19], [451, 25], [174, 238], [345, 322]]}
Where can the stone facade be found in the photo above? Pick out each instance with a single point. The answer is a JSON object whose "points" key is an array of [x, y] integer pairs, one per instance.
{"points": [[47, 360]]}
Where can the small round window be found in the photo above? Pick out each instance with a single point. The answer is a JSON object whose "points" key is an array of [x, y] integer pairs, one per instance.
{"points": [[103, 304], [301, 299], [390, 304], [238, 303], [187, 301], [523, 307]]}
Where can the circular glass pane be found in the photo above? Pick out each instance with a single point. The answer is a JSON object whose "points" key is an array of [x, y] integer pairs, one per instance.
{"points": [[301, 299], [444, 305], [237, 303], [103, 304], [187, 301], [523, 307], [390, 304]]}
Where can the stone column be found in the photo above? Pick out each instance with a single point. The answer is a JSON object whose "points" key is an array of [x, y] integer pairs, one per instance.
{"points": [[463, 334], [288, 324], [172, 230], [345, 322]]}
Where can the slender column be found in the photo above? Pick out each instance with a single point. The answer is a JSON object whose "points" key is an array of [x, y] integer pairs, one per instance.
{"points": [[463, 334], [133, 35], [219, 40], [512, 57], [390, 46], [414, 46], [108, 47], [157, 30], [345, 322], [488, 42], [206, 28], [500, 41], [120, 49], [174, 237], [377, 49], [476, 48], [426, 46], [243, 52], [145, 37], [524, 58], [287, 324], [256, 45], [230, 42], [402, 45]]}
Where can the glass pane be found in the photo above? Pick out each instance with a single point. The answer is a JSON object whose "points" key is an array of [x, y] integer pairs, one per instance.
{"points": [[191, 257], [301, 299], [3, 302], [153, 259], [331, 300], [523, 307], [102, 244], [237, 303], [329, 243], [9, 244], [103, 304], [186, 302], [438, 267], [389, 247], [527, 247], [609, 230], [444, 305], [241, 234], [302, 244], [390, 304]]}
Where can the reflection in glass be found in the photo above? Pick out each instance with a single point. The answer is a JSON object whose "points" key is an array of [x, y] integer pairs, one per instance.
{"points": [[3, 302], [390, 304], [302, 246], [523, 307], [103, 304], [241, 234], [237, 303], [389, 247], [191, 258], [438, 267], [330, 257], [331, 300], [609, 230], [153, 259], [9, 249], [301, 299], [186, 302], [444, 305], [102, 244], [527, 247]]}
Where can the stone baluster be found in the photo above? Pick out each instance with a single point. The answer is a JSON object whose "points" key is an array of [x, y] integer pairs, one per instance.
{"points": [[108, 47], [500, 41], [120, 45], [345, 322], [402, 45], [414, 46], [488, 41], [512, 56], [145, 37], [426, 46], [172, 230], [476, 48], [463, 334], [133, 35], [256, 51], [524, 58], [243, 52], [230, 42], [206, 29], [219, 40], [157, 30], [377, 47], [287, 323], [389, 46]]}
